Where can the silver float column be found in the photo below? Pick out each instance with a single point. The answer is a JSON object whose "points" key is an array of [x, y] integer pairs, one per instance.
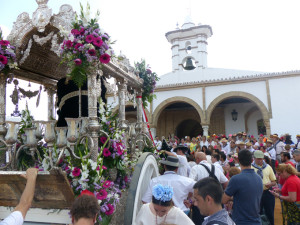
{"points": [[2, 105], [51, 107], [122, 88], [139, 109], [94, 126]]}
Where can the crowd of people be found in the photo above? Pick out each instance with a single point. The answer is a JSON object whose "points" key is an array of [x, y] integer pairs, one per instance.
{"points": [[247, 173]]}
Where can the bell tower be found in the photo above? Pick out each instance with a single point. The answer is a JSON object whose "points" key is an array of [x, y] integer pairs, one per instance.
{"points": [[189, 46]]}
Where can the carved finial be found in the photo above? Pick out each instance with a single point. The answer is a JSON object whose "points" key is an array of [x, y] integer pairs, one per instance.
{"points": [[42, 2]]}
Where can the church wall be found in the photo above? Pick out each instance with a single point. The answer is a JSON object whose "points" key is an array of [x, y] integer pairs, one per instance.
{"points": [[231, 126], [252, 123], [194, 93], [257, 89], [285, 106]]}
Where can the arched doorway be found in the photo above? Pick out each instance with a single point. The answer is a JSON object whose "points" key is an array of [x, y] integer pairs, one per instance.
{"points": [[190, 128], [179, 119], [238, 111]]}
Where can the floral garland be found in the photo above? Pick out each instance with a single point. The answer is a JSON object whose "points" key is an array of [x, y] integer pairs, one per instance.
{"points": [[86, 47], [149, 84], [8, 59]]}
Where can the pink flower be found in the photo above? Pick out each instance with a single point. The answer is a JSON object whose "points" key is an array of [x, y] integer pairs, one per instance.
{"points": [[82, 31], [110, 210], [92, 52], [75, 32], [78, 62], [120, 149], [98, 168], [76, 172], [69, 44], [3, 59], [126, 179], [106, 152], [98, 42], [149, 71], [104, 167], [105, 58], [102, 194], [103, 139], [4, 42], [89, 38], [78, 45], [107, 184]]}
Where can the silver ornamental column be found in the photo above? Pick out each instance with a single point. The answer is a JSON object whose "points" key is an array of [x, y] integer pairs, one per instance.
{"points": [[94, 126], [51, 108], [139, 109], [3, 78], [122, 88]]}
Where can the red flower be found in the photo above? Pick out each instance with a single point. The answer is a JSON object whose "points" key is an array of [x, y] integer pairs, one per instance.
{"points": [[78, 62], [103, 139], [69, 44], [102, 194], [106, 152], [105, 58], [107, 184], [86, 192], [92, 52], [111, 209], [89, 38], [76, 172], [4, 42], [97, 42], [78, 45], [3, 59]]}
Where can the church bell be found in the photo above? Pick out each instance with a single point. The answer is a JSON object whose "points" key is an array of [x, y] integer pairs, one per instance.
{"points": [[189, 64]]}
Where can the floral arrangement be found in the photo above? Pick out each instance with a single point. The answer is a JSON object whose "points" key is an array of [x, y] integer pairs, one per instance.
{"points": [[8, 59], [149, 84], [162, 193], [86, 47]]}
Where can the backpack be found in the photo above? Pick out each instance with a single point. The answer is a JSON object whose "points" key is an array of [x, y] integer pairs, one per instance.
{"points": [[212, 172]]}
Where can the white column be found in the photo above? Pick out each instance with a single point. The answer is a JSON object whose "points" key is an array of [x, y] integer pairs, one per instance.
{"points": [[139, 111], [122, 88], [202, 51], [175, 56]]}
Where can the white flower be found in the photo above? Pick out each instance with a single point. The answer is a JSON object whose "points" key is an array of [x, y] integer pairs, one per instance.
{"points": [[109, 195], [93, 164], [84, 167], [71, 38], [84, 175], [99, 202]]}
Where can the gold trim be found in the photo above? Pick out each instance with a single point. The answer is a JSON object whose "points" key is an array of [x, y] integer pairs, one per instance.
{"points": [[70, 95]]}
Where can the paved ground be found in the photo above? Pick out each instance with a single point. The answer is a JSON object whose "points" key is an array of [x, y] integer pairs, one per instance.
{"points": [[277, 213]]}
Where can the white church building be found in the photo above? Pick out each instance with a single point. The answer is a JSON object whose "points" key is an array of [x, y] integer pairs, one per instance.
{"points": [[195, 99]]}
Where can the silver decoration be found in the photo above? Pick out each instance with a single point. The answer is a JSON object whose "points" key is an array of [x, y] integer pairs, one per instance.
{"points": [[41, 16], [64, 18], [3, 79], [42, 40], [55, 46], [26, 53]]}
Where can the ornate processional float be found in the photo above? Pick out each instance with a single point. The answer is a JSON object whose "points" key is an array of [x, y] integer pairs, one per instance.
{"points": [[89, 148]]}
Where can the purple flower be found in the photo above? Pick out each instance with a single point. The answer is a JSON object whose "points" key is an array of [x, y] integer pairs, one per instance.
{"points": [[3, 59], [110, 210], [75, 32], [76, 172], [102, 194], [4, 42], [78, 45]]}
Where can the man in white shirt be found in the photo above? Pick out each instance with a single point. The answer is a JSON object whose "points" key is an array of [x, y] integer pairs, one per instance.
{"points": [[199, 171], [278, 146], [18, 215], [157, 143], [182, 186], [215, 159]]}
